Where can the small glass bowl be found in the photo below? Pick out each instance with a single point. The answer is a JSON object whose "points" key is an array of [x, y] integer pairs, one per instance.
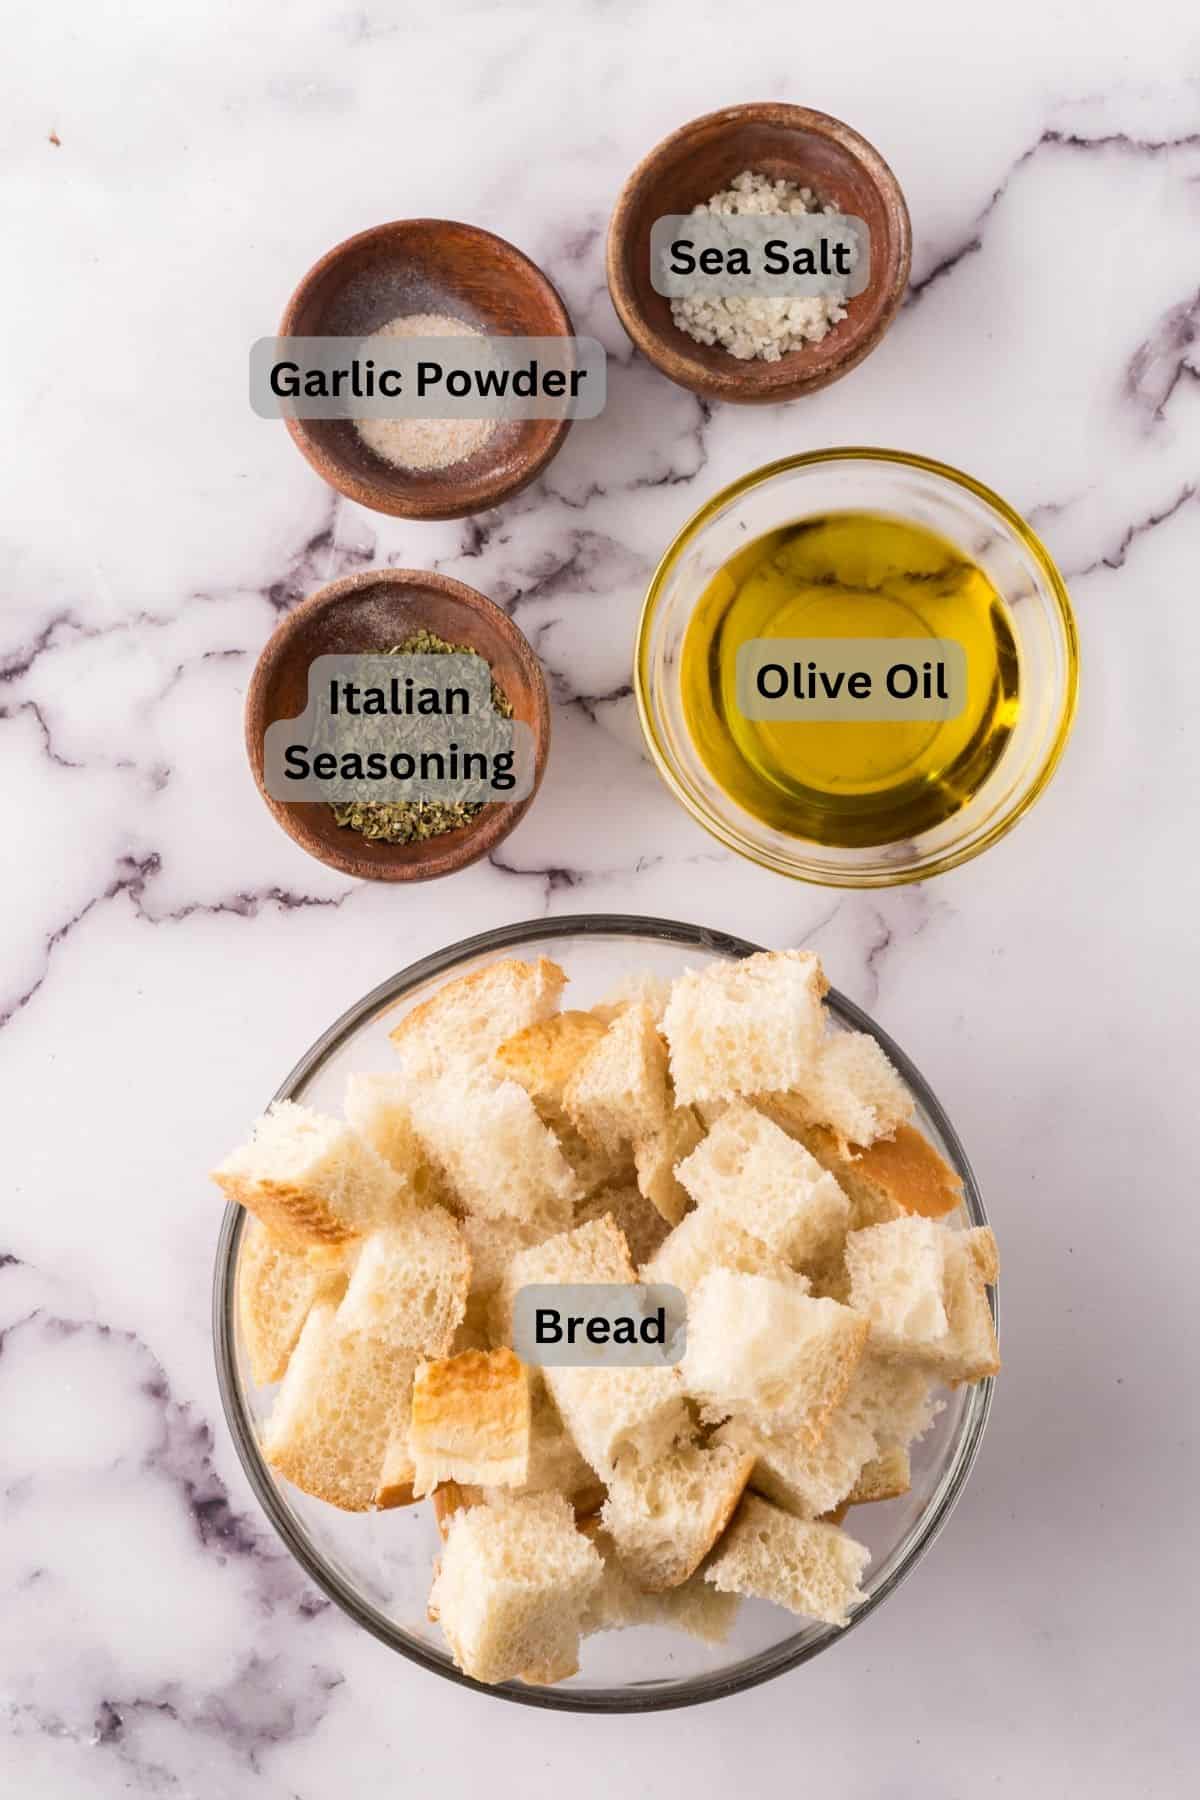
{"points": [[378, 1566], [925, 493]]}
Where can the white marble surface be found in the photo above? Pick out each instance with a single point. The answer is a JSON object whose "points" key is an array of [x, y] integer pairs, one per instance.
{"points": [[168, 953]]}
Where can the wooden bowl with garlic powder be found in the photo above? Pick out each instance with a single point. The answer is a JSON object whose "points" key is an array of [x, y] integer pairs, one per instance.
{"points": [[427, 277], [703, 160]]}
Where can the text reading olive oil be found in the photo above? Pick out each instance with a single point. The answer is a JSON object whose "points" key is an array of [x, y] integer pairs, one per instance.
{"points": [[852, 782]]}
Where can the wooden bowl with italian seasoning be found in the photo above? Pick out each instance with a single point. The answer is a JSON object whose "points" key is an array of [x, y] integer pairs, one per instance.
{"points": [[427, 278], [375, 612], [775, 357]]}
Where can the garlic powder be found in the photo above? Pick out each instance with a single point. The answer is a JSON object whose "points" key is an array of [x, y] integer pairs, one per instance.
{"points": [[423, 443]]}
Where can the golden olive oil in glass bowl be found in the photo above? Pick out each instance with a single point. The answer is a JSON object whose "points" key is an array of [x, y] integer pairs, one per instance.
{"points": [[880, 548]]}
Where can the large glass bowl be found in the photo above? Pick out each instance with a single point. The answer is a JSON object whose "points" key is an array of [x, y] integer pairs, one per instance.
{"points": [[378, 1566], [913, 489]]}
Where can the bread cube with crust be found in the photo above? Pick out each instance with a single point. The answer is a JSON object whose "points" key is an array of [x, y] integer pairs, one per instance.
{"points": [[277, 1288], [665, 1517], [543, 1058], [510, 1592], [333, 1416], [804, 1478], [310, 1179], [757, 1177], [745, 1027], [618, 1093], [896, 1282], [969, 1351], [466, 1020], [470, 1421], [811, 1568], [889, 1179], [854, 1091], [395, 1486]]}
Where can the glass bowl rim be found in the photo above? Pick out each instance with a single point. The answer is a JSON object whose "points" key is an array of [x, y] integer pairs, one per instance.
{"points": [[1021, 530], [696, 1689]]}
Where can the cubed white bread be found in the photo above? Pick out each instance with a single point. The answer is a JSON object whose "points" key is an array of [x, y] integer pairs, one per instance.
{"points": [[473, 1333], [395, 1486], [704, 1241], [543, 1058], [810, 1568], [593, 1167], [606, 1410], [618, 1093], [595, 1251], [894, 1401], [642, 989], [984, 1252], [486, 1138], [745, 1027], [492, 1244], [377, 1108], [513, 1583], [276, 1289], [896, 1282], [763, 1349], [854, 1091], [886, 1477], [657, 1156], [665, 1517], [450, 1497], [409, 1284], [618, 1602], [757, 1177], [969, 1351], [466, 1020], [609, 1411], [555, 1465], [829, 1278], [889, 1179], [642, 1225], [310, 1179], [470, 1421], [335, 1409], [709, 1111], [804, 1478]]}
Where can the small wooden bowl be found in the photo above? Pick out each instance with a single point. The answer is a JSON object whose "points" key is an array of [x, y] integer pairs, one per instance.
{"points": [[372, 612], [791, 143], [427, 266]]}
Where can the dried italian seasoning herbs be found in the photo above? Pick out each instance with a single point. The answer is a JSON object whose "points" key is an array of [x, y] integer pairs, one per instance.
{"points": [[409, 821]]}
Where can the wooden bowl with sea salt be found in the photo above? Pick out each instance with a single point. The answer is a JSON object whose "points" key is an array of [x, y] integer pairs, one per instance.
{"points": [[789, 143], [431, 271], [373, 612]]}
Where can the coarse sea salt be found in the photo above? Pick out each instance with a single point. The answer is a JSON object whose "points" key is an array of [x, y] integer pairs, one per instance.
{"points": [[762, 328]]}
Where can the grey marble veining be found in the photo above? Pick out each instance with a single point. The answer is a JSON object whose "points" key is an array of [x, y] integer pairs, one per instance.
{"points": [[168, 953]]}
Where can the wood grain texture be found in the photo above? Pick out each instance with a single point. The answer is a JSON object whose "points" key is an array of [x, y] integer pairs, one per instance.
{"points": [[371, 612], [792, 143]]}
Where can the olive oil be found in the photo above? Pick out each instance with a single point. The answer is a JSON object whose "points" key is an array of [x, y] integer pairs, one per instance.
{"points": [[850, 782]]}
